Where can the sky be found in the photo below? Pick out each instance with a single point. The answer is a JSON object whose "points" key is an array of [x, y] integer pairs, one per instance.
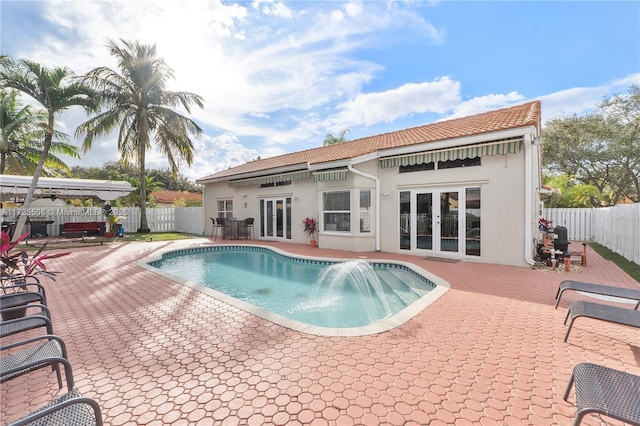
{"points": [[278, 76]]}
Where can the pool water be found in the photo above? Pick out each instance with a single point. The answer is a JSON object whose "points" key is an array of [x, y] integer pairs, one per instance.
{"points": [[315, 292]]}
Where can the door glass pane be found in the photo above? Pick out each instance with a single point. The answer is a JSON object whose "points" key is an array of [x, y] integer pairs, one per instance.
{"points": [[262, 218], [288, 218], [472, 224], [449, 221], [405, 220], [279, 218], [424, 225], [269, 218]]}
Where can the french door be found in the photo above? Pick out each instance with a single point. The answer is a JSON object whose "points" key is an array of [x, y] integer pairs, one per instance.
{"points": [[275, 218], [434, 221]]}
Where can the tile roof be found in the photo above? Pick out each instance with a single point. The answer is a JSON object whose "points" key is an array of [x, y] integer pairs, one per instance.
{"points": [[169, 196], [524, 115]]}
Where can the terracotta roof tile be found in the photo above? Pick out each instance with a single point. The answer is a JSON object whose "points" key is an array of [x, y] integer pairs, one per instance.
{"points": [[527, 114], [169, 196]]}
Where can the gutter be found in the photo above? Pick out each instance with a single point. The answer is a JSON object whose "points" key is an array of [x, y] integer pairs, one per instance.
{"points": [[377, 181], [528, 194]]}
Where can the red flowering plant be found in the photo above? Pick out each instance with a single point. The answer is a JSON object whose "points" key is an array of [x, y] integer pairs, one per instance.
{"points": [[545, 224], [16, 265], [310, 227]]}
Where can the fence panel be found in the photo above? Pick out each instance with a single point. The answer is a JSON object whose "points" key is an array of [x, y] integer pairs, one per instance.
{"points": [[189, 220], [577, 221], [618, 229]]}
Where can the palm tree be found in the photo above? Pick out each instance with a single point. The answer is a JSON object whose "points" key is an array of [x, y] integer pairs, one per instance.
{"points": [[332, 140], [21, 135], [56, 89], [137, 101]]}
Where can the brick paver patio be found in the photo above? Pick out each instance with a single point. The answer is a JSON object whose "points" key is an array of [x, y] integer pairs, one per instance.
{"points": [[152, 352]]}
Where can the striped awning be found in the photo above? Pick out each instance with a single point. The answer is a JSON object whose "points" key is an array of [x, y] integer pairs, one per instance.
{"points": [[303, 174], [330, 175], [500, 147]]}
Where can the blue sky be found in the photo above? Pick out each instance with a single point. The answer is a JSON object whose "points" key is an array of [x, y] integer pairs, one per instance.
{"points": [[278, 76]]}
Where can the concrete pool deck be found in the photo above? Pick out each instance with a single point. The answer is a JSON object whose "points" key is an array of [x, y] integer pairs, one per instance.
{"points": [[153, 352]]}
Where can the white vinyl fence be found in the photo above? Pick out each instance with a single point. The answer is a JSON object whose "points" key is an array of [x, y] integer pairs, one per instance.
{"points": [[162, 219], [616, 227]]}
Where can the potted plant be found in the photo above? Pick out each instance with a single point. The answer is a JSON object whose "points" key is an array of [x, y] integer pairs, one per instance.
{"points": [[17, 266], [310, 227], [114, 226]]}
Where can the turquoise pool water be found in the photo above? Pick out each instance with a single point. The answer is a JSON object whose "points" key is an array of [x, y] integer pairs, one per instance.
{"points": [[316, 292]]}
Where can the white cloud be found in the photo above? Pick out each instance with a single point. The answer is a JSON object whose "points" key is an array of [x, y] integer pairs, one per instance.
{"points": [[485, 103], [580, 100], [218, 153], [438, 96]]}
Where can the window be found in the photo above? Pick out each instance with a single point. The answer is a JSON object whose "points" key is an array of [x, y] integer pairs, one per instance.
{"points": [[272, 184], [336, 211], [417, 167], [225, 208], [365, 211], [462, 162], [472, 224], [449, 164]]}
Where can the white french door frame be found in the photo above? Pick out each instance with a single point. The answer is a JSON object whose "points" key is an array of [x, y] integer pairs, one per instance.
{"points": [[437, 246], [269, 226]]}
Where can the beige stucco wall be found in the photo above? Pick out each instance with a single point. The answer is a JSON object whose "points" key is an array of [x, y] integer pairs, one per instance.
{"points": [[501, 179], [501, 182]]}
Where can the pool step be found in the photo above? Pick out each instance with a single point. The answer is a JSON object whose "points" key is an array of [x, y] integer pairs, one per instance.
{"points": [[403, 292], [410, 280]]}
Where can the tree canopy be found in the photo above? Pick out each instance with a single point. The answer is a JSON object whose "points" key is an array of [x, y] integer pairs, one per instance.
{"points": [[600, 149], [135, 100]]}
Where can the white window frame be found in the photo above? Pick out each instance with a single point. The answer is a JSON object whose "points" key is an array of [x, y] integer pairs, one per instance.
{"points": [[327, 227], [227, 208], [365, 225]]}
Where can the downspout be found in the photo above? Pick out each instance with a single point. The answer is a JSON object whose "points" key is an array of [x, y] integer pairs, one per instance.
{"points": [[528, 193], [377, 181]]}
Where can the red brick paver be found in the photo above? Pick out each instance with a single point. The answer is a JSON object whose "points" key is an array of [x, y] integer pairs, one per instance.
{"points": [[152, 352]]}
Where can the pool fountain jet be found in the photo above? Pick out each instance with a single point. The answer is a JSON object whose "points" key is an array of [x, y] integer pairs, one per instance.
{"points": [[362, 278]]}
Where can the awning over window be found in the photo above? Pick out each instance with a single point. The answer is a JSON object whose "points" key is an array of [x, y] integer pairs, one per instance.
{"points": [[330, 175], [501, 147], [303, 174]]}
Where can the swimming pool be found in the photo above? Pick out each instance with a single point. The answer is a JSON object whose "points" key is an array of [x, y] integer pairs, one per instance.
{"points": [[317, 296]]}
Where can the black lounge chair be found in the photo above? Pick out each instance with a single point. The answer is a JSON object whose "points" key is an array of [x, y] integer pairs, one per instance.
{"points": [[606, 391], [70, 409], [38, 319], [603, 290], [51, 351], [601, 312]]}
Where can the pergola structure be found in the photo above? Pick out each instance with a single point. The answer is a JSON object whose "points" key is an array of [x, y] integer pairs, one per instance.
{"points": [[12, 186]]}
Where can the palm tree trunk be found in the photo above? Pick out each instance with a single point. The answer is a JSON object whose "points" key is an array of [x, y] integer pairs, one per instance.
{"points": [[3, 159], [22, 219], [144, 138]]}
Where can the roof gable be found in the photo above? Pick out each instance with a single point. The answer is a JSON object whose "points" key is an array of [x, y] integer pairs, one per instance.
{"points": [[518, 116]]}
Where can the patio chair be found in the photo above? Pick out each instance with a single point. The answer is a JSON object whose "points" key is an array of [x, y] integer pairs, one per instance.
{"points": [[245, 228], [19, 301], [214, 228], [603, 290], [601, 312], [248, 223], [219, 224], [41, 318], [70, 409], [51, 351], [606, 391]]}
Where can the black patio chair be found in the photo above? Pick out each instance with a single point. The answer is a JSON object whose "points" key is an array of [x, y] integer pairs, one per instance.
{"points": [[71, 409], [49, 350], [605, 391], [37, 319]]}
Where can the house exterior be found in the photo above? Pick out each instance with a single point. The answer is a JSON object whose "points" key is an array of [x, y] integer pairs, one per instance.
{"points": [[465, 188]]}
